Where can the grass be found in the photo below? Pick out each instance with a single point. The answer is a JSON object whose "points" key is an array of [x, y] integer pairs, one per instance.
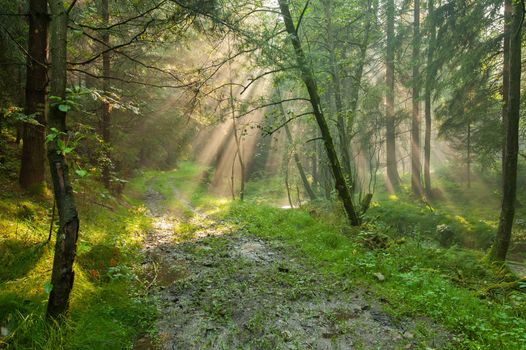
{"points": [[456, 287], [110, 306], [420, 280]]}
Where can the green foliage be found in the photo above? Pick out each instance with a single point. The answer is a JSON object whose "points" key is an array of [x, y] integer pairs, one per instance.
{"points": [[419, 279], [110, 305]]}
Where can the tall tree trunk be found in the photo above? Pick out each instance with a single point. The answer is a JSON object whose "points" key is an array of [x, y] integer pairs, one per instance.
{"points": [[66, 244], [296, 157], [390, 123], [416, 163], [343, 137], [430, 75], [505, 72], [32, 168], [106, 107], [358, 71], [509, 190], [468, 159], [310, 84]]}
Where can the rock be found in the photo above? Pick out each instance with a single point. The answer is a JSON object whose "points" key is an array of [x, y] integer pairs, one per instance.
{"points": [[408, 335]]}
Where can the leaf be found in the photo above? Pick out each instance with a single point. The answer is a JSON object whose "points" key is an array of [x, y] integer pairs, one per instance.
{"points": [[51, 137], [64, 108], [48, 287], [81, 172]]}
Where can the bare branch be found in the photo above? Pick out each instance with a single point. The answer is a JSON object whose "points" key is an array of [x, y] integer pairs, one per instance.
{"points": [[129, 42], [287, 121], [125, 21], [273, 104]]}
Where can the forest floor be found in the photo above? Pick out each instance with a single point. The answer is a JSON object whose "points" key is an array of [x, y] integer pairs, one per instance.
{"points": [[223, 287], [168, 265]]}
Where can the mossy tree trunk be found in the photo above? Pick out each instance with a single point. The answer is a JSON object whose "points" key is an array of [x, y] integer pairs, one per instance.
{"points": [[509, 187], [62, 276]]}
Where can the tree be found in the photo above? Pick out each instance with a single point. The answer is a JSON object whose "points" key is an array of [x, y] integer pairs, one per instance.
{"points": [[33, 148], [311, 86], [390, 122], [416, 163], [511, 143], [295, 155], [62, 276], [505, 71], [430, 76], [336, 89], [105, 122]]}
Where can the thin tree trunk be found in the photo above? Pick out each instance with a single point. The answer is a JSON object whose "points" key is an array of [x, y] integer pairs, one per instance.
{"points": [[416, 163], [358, 72], [62, 276], [310, 84], [336, 82], [509, 190], [32, 167], [237, 140], [106, 107], [430, 72], [390, 122], [287, 186], [301, 170], [505, 72], [315, 170], [468, 160]]}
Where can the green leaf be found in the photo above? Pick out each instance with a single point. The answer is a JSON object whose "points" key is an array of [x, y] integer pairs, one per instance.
{"points": [[51, 137], [48, 287], [64, 108], [81, 172]]}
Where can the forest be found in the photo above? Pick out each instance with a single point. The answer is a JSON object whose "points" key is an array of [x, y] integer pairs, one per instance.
{"points": [[262, 174]]}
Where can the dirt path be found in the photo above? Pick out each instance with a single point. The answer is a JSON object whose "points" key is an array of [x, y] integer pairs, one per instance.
{"points": [[223, 288]]}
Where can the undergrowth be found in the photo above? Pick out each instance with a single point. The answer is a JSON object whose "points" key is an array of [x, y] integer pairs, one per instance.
{"points": [[446, 285], [110, 305]]}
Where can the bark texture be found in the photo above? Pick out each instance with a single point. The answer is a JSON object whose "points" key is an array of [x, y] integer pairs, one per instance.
{"points": [[62, 276], [509, 187], [32, 169]]}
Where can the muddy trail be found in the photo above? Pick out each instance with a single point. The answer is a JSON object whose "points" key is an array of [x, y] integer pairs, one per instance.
{"points": [[222, 287]]}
